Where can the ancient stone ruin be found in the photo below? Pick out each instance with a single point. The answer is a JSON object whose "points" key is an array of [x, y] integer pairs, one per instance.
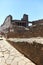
{"points": [[21, 28]]}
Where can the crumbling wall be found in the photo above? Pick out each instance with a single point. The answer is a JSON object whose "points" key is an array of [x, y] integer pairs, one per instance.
{"points": [[6, 24], [36, 31]]}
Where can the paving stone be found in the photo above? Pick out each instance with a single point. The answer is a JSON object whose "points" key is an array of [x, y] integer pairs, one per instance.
{"points": [[10, 56], [1, 54], [29, 63], [21, 62], [14, 62], [0, 60], [8, 61], [6, 56]]}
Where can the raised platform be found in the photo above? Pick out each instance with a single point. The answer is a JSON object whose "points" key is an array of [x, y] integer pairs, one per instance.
{"points": [[34, 51]]}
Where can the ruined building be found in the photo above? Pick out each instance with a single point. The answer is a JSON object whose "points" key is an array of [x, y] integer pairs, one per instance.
{"points": [[21, 27], [22, 22], [10, 23]]}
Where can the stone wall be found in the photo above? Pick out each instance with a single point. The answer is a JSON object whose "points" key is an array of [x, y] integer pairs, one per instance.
{"points": [[6, 24], [36, 31], [33, 51]]}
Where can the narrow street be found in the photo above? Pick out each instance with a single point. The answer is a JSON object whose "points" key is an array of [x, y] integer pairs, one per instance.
{"points": [[10, 56]]}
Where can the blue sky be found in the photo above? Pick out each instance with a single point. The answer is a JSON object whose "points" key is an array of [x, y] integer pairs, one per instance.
{"points": [[34, 8]]}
